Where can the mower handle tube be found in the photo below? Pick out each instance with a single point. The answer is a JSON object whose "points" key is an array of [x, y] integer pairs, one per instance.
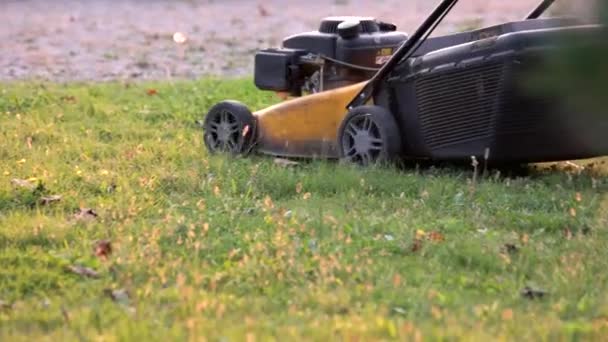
{"points": [[540, 9], [405, 51]]}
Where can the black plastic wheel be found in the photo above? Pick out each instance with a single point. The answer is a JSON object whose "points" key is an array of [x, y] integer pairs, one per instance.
{"points": [[369, 135], [229, 128]]}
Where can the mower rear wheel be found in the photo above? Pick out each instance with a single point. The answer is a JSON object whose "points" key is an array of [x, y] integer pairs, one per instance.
{"points": [[229, 128], [369, 135]]}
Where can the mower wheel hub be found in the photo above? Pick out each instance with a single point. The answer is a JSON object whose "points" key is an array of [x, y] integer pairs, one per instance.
{"points": [[224, 131], [363, 141]]}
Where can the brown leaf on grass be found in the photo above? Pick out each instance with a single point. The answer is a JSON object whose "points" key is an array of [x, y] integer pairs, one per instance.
{"points": [[532, 293], [525, 238], [419, 236], [568, 234], [436, 237], [417, 245], [85, 214], [151, 92], [285, 162], [507, 315], [579, 197], [50, 199], [120, 296], [396, 280], [103, 249], [506, 258], [436, 312], [83, 271], [68, 99], [268, 204], [22, 183], [510, 248]]}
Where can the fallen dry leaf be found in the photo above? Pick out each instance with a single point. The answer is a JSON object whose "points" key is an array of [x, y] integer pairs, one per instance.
{"points": [[568, 234], [120, 296], [507, 314], [396, 280], [419, 234], [103, 249], [505, 257], [417, 245], [268, 202], [50, 199], [83, 271], [151, 92], [285, 162], [68, 98], [510, 248], [531, 293], [525, 238], [22, 183], [85, 214], [399, 310], [436, 237], [436, 312]]}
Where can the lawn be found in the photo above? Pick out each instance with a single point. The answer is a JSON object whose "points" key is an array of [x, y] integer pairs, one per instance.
{"points": [[247, 249]]}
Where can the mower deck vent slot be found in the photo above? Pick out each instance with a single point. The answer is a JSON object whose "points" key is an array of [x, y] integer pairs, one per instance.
{"points": [[521, 115], [460, 105]]}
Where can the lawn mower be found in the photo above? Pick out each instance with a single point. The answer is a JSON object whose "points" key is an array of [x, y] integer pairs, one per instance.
{"points": [[366, 93]]}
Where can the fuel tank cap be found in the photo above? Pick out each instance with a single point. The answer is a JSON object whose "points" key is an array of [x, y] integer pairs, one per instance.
{"points": [[349, 29], [367, 24]]}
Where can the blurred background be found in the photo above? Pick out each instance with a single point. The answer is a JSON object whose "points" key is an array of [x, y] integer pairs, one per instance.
{"points": [[101, 40]]}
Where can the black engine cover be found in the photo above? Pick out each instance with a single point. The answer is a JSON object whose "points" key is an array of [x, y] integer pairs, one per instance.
{"points": [[367, 43], [371, 47], [275, 69]]}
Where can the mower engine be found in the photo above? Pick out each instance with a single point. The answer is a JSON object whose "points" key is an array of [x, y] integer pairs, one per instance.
{"points": [[345, 50]]}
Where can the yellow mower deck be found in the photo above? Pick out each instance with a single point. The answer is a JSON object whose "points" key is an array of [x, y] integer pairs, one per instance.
{"points": [[305, 126]]}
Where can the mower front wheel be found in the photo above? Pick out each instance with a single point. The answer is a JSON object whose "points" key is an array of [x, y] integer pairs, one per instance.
{"points": [[229, 127], [369, 135]]}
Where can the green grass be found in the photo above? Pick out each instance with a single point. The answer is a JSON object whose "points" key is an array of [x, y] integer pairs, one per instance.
{"points": [[243, 249]]}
